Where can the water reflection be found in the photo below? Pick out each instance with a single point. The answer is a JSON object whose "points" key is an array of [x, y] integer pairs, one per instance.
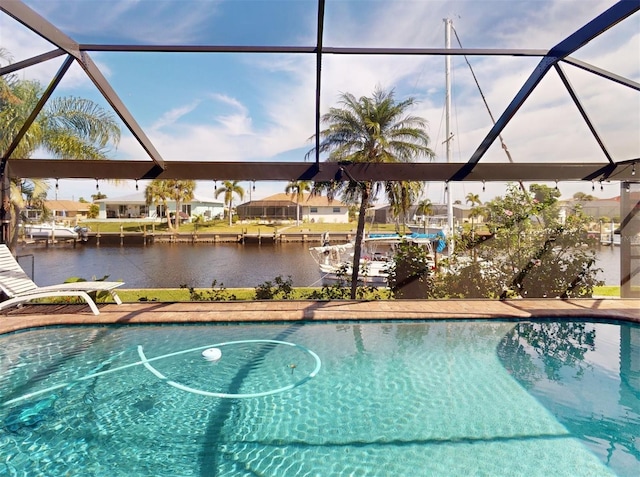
{"points": [[595, 365], [556, 346]]}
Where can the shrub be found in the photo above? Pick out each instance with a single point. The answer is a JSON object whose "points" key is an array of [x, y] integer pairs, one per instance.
{"points": [[409, 277], [280, 289], [215, 294]]}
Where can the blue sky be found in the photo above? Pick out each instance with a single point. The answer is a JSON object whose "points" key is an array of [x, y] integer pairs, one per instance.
{"points": [[260, 107]]}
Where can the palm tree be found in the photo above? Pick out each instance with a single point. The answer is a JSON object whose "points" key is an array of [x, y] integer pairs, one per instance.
{"points": [[401, 196], [474, 213], [424, 208], [229, 188], [299, 188], [157, 193], [68, 127], [375, 129], [473, 199], [180, 191]]}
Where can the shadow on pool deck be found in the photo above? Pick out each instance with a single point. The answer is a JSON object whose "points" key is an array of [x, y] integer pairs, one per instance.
{"points": [[306, 310]]}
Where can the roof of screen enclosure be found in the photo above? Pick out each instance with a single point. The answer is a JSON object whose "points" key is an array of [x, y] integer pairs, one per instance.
{"points": [[601, 165]]}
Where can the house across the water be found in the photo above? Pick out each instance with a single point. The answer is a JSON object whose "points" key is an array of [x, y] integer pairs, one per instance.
{"points": [[284, 207], [134, 206], [62, 211]]}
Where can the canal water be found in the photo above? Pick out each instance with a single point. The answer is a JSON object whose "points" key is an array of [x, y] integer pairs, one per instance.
{"points": [[172, 265], [198, 265]]}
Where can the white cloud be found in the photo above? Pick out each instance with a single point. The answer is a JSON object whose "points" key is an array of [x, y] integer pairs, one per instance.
{"points": [[239, 122], [170, 117]]}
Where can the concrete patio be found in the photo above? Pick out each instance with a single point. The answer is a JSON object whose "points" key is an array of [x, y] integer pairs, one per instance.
{"points": [[29, 316]]}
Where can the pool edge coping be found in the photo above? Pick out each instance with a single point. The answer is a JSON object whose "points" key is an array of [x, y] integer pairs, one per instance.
{"points": [[34, 316]]}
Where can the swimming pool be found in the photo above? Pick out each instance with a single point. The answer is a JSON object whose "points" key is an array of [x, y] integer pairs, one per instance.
{"points": [[323, 399]]}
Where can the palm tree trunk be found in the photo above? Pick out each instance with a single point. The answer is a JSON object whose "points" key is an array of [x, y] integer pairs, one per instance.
{"points": [[13, 231], [167, 213], [177, 216], [230, 204], [357, 249]]}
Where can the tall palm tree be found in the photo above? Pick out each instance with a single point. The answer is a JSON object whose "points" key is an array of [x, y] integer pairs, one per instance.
{"points": [[229, 189], [369, 129], [299, 188], [180, 191], [478, 211], [157, 193], [473, 199], [401, 196], [68, 127], [425, 209]]}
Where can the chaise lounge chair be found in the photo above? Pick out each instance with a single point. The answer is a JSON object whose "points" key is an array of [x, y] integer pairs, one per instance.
{"points": [[17, 285]]}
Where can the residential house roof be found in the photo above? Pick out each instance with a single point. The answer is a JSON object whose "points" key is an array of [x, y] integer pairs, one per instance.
{"points": [[139, 198], [283, 200], [67, 205]]}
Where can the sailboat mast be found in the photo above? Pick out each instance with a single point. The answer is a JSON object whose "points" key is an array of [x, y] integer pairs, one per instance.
{"points": [[449, 135]]}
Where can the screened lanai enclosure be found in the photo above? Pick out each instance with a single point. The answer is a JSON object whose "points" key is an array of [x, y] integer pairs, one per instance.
{"points": [[514, 92]]}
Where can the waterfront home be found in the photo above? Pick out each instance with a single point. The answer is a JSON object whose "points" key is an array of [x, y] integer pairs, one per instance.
{"points": [[67, 211], [284, 207], [134, 206], [606, 209]]}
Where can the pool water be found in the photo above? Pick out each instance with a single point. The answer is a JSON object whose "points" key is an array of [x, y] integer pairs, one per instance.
{"points": [[323, 399]]}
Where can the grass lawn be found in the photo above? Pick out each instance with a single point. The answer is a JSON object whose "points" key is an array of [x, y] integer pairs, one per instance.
{"points": [[182, 295], [176, 294], [607, 291]]}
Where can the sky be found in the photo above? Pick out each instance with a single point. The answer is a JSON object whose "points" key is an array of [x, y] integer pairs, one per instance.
{"points": [[260, 107]]}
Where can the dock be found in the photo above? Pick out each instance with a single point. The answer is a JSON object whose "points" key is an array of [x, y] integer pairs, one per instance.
{"points": [[149, 238]]}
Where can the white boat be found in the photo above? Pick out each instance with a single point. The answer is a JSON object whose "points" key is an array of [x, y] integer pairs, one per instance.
{"points": [[429, 225], [50, 231], [335, 262]]}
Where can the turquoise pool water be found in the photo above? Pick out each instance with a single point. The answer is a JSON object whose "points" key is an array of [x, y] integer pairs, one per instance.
{"points": [[331, 399]]}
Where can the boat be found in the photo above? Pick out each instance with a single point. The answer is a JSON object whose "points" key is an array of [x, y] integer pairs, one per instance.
{"points": [[335, 262], [52, 232], [429, 225]]}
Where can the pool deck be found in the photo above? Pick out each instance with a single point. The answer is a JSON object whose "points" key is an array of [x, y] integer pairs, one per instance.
{"points": [[30, 316]]}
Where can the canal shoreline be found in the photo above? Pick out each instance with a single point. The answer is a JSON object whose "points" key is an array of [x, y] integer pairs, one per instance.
{"points": [[149, 238]]}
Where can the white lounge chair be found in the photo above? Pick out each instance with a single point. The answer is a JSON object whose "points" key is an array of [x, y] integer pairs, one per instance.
{"points": [[17, 285]]}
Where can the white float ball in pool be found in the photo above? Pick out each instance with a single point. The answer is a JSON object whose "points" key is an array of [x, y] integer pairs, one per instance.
{"points": [[212, 354]]}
